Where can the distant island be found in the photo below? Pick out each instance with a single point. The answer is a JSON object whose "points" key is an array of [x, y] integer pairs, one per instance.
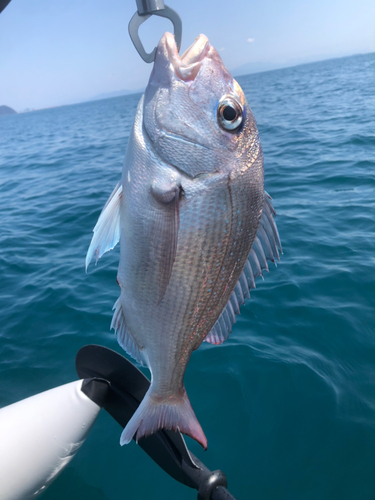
{"points": [[116, 93], [6, 110]]}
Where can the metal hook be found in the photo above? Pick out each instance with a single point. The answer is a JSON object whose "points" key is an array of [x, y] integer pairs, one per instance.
{"points": [[145, 9]]}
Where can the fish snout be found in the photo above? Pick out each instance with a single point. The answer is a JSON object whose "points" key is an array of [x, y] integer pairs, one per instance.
{"points": [[186, 67]]}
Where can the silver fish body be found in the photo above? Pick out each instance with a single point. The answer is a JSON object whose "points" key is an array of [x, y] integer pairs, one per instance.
{"points": [[187, 212]]}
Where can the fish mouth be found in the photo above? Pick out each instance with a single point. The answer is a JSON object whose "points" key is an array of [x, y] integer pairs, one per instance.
{"points": [[186, 67]]}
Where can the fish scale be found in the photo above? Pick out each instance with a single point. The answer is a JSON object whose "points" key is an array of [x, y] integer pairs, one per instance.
{"points": [[230, 265], [192, 213], [189, 273]]}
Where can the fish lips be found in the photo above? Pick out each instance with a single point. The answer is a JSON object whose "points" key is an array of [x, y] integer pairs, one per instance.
{"points": [[169, 64], [186, 67]]}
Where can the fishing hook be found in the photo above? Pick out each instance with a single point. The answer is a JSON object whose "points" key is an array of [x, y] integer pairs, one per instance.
{"points": [[146, 9]]}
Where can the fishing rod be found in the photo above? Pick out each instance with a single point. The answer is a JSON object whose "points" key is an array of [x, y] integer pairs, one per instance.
{"points": [[40, 435], [3, 4], [126, 388]]}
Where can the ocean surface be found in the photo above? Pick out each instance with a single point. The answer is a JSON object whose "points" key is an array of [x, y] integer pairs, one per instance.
{"points": [[288, 401]]}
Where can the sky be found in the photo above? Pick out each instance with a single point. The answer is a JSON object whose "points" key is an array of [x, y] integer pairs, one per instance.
{"points": [[55, 52]]}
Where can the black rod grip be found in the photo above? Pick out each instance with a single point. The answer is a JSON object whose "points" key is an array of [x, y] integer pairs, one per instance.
{"points": [[221, 493]]}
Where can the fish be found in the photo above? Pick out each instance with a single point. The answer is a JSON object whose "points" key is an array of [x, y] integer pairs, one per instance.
{"points": [[194, 223]]}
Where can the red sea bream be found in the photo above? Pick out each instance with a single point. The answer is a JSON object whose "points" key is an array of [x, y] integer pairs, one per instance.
{"points": [[194, 223]]}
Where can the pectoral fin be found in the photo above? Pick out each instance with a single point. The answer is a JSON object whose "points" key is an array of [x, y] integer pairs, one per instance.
{"points": [[166, 231], [107, 229]]}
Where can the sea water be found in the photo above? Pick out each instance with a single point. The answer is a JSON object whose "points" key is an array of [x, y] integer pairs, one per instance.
{"points": [[288, 401]]}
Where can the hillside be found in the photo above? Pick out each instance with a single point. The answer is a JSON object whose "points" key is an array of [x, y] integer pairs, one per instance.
{"points": [[6, 110]]}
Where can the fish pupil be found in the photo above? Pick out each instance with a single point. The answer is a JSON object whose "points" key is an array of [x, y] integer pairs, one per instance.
{"points": [[229, 113]]}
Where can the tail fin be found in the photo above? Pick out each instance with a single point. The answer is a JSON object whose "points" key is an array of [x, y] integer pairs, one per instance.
{"points": [[155, 413]]}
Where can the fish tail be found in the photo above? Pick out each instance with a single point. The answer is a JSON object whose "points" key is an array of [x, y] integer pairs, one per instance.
{"points": [[155, 413]]}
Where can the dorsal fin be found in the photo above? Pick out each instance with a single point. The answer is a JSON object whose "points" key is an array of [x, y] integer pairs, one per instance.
{"points": [[265, 246]]}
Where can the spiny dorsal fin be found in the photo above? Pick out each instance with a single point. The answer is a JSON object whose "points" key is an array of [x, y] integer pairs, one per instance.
{"points": [[107, 229], [265, 247]]}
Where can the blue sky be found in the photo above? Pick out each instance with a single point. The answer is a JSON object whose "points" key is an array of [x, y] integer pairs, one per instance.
{"points": [[54, 52]]}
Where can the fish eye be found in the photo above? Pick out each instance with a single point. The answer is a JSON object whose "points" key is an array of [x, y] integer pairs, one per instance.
{"points": [[229, 114]]}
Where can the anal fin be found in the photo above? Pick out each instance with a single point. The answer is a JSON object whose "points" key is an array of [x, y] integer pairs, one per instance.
{"points": [[124, 338]]}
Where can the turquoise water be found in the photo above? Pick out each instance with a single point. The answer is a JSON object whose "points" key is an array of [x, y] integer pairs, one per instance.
{"points": [[288, 402]]}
